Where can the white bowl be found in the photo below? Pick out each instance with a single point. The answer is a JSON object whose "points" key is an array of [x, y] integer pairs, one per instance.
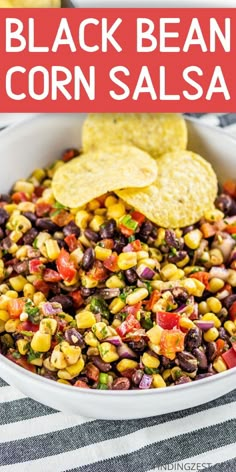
{"points": [[37, 142]]}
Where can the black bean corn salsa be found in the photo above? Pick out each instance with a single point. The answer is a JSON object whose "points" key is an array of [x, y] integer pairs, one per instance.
{"points": [[102, 298]]}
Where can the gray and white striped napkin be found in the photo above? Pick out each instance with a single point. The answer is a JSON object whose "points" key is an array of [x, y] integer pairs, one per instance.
{"points": [[35, 438]]}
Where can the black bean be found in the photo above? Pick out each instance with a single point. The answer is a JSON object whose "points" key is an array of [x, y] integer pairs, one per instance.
{"points": [[182, 380], [179, 256], [21, 267], [193, 338], [137, 377], [102, 366], [226, 204], [3, 216], [5, 197], [201, 358], [87, 292], [91, 235], [6, 243], [145, 230], [62, 244], [30, 216], [223, 335], [122, 383], [171, 239], [119, 243], [65, 301], [46, 224], [138, 346], [211, 351], [107, 230], [131, 276], [187, 361], [203, 376], [187, 229], [88, 258], [30, 236], [1, 233], [73, 337], [180, 295], [228, 301], [71, 228]]}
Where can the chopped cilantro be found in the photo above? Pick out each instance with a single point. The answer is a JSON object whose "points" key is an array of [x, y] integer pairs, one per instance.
{"points": [[123, 297], [32, 312], [27, 333], [35, 243], [59, 337], [98, 305], [131, 238], [16, 355], [33, 355], [150, 371]]}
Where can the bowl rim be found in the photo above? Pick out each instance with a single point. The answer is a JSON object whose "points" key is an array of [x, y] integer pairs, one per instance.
{"points": [[20, 371]]}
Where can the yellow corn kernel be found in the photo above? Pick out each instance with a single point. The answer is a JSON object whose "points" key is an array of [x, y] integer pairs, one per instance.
{"points": [[41, 239], [71, 353], [93, 205], [137, 296], [11, 294], [115, 282], [158, 381], [21, 253], [148, 262], [178, 275], [231, 279], [126, 260], [125, 364], [73, 281], [21, 223], [216, 284], [116, 211], [15, 236], [23, 186], [11, 325], [3, 288], [39, 174], [108, 352], [116, 323], [186, 323], [92, 351], [26, 206], [184, 262], [63, 381], [52, 249], [41, 342], [230, 327], [4, 315], [193, 238], [57, 359], [100, 211], [18, 282], [10, 207], [90, 339], [203, 308], [88, 282], [214, 304], [83, 240], [216, 257], [67, 318], [38, 361], [38, 298], [101, 253], [85, 319], [75, 369], [22, 346], [142, 255], [76, 256], [160, 237], [150, 361], [2, 326], [168, 271], [212, 317], [116, 306], [154, 334], [48, 196], [211, 335], [101, 330], [96, 222], [2, 269], [176, 372], [13, 249], [48, 326], [154, 347], [4, 302], [110, 200], [214, 215], [166, 374], [29, 291], [194, 287], [81, 219], [48, 365], [219, 364]]}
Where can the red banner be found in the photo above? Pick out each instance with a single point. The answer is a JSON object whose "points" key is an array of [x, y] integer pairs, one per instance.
{"points": [[120, 60]]}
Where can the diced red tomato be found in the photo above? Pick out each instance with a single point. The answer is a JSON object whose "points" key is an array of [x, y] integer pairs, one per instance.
{"points": [[230, 188], [111, 263], [61, 218], [35, 266], [65, 267], [27, 326], [15, 307], [71, 242], [128, 373], [231, 229], [233, 341], [232, 311], [41, 286], [19, 197], [69, 154], [155, 296], [51, 275], [202, 277], [81, 384], [130, 324], [22, 362], [132, 309], [107, 243], [136, 245], [98, 271], [230, 358], [42, 209], [38, 191], [77, 298], [126, 231], [139, 217], [208, 230], [172, 341], [92, 372], [220, 344], [167, 320]]}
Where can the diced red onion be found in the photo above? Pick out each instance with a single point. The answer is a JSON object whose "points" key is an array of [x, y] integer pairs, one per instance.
{"points": [[204, 325], [128, 248], [115, 340], [225, 246], [180, 309], [125, 352], [51, 308], [140, 283], [144, 272], [223, 294], [219, 273], [146, 381]]}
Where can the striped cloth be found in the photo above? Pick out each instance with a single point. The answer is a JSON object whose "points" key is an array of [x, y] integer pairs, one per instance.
{"points": [[35, 438]]}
